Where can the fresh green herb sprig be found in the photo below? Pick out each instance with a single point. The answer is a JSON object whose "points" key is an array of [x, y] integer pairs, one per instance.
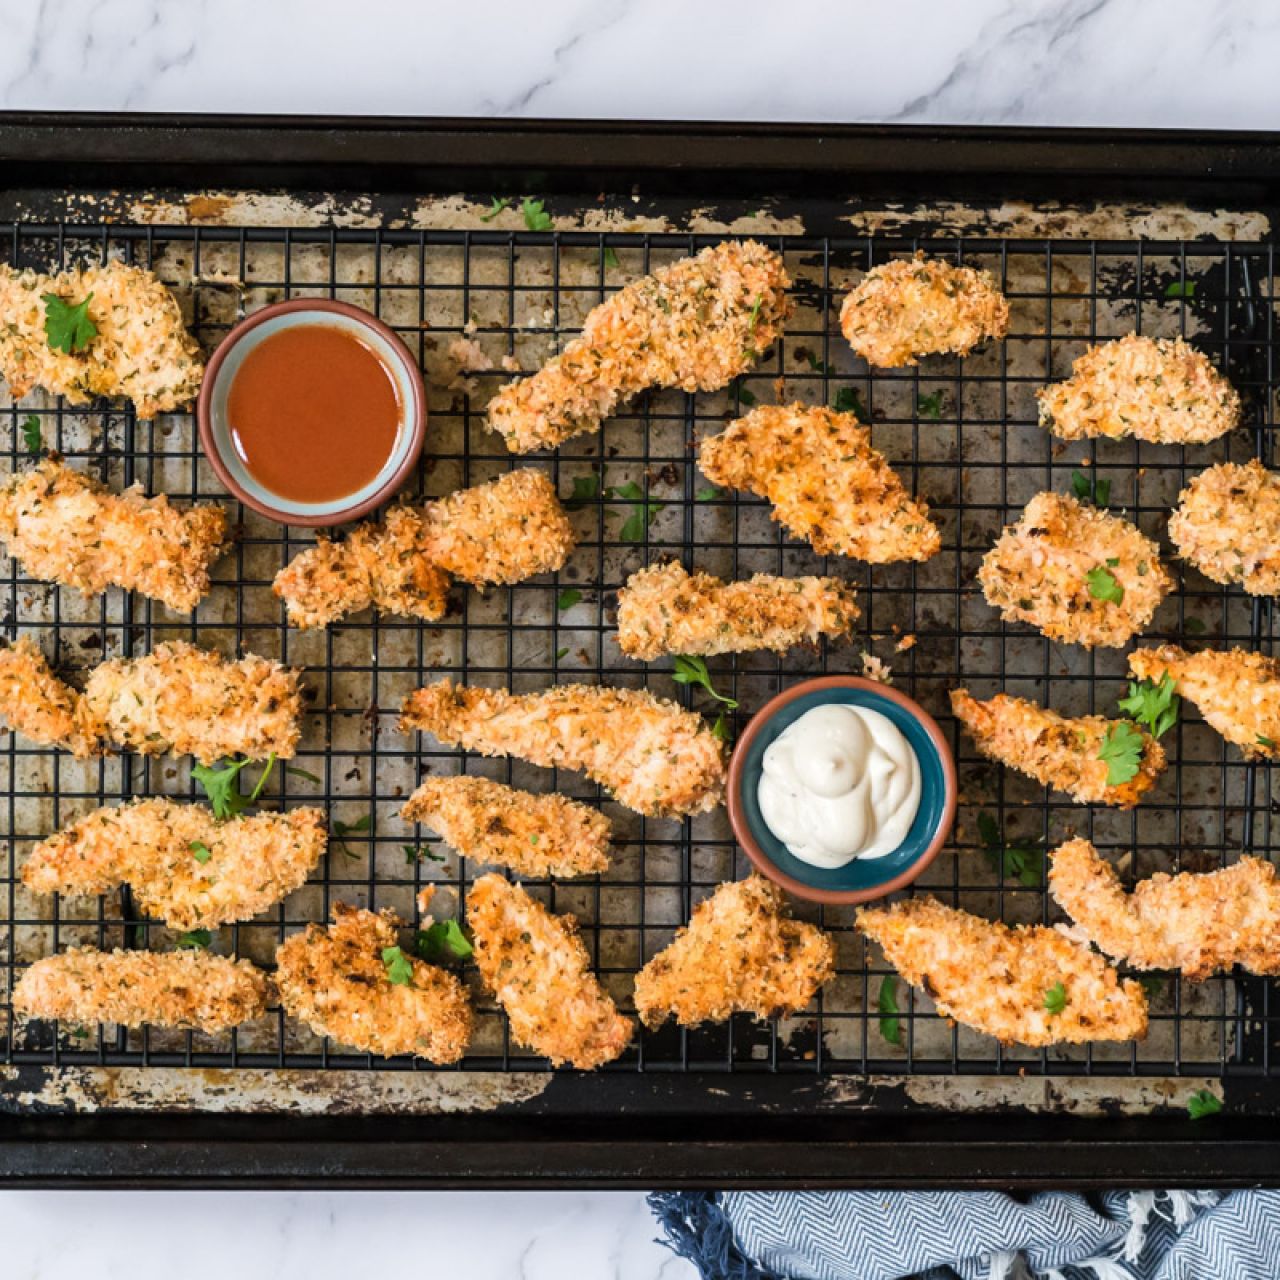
{"points": [[31, 435], [414, 853], [930, 406], [497, 206], [1056, 999], [398, 966], [643, 514], [222, 786], [887, 1004], [849, 401], [67, 325], [1202, 1103], [689, 670], [443, 942], [1091, 488], [194, 940], [1154, 705], [1121, 749], [1103, 585], [568, 598], [1181, 289], [344, 829], [1023, 861], [536, 218]]}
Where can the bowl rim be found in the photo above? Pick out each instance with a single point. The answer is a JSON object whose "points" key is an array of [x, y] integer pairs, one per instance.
{"points": [[762, 861], [415, 413]]}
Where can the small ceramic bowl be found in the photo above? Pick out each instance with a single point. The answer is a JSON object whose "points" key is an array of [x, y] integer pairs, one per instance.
{"points": [[863, 878], [215, 434]]}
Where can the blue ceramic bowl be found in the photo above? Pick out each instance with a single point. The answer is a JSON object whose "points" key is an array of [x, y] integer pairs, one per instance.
{"points": [[863, 878]]}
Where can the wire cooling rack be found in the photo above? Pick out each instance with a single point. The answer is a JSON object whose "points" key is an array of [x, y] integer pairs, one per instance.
{"points": [[961, 432]]}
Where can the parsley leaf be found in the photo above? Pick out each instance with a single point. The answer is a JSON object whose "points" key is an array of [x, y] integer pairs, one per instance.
{"points": [[68, 327], [1265, 742], [930, 406], [818, 366], [31, 436], [399, 967], [568, 598], [746, 396], [415, 853], [1103, 585], [643, 514], [344, 829], [495, 208], [443, 941], [887, 1003], [1181, 289], [849, 401], [200, 851], [610, 257], [1025, 862], [1152, 984], [707, 495], [1153, 705], [721, 728], [303, 773], [585, 489], [694, 671], [1122, 750], [1203, 1103], [222, 786], [1091, 488], [1193, 626], [561, 652], [196, 940], [536, 218], [1055, 999]]}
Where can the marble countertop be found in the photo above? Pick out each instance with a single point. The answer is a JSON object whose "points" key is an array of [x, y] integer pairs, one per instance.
{"points": [[1080, 62]]}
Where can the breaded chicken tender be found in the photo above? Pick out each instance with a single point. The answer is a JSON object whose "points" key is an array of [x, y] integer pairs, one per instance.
{"points": [[535, 964], [1227, 524], [64, 526], [338, 981], [192, 989], [1236, 691], [1005, 981], [651, 754], [1062, 753], [738, 954], [1155, 389], [1197, 923], [921, 306], [546, 835], [1075, 573], [142, 349], [827, 484], [39, 705], [184, 868], [666, 609], [501, 532], [695, 324]]}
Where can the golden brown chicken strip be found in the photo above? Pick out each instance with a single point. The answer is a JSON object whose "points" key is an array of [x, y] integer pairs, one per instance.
{"points": [[184, 868], [1026, 985], [64, 526], [135, 988], [353, 983], [1236, 691], [1075, 573], [921, 306], [695, 324], [141, 349], [738, 954], [827, 484], [502, 532], [39, 705], [1062, 753], [666, 609], [535, 964], [1227, 524], [654, 756], [1197, 923], [1155, 389], [546, 835]]}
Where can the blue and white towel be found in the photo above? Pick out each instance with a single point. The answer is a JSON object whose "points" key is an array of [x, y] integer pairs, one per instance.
{"points": [[975, 1235]]}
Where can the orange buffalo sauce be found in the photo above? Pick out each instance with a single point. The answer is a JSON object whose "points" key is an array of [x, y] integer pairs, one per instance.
{"points": [[314, 413]]}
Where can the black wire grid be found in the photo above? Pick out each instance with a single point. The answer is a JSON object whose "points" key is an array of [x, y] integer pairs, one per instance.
{"points": [[962, 433]]}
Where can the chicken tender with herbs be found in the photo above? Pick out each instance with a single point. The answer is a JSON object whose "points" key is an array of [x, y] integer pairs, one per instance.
{"points": [[353, 983], [1236, 691], [1156, 389], [1075, 573], [184, 868], [38, 705], [1093, 759], [1227, 524], [535, 964], [696, 324], [112, 330], [666, 609], [739, 953], [187, 989], [533, 835], [64, 526], [1199, 923], [652, 755], [1026, 985], [920, 306], [828, 486]]}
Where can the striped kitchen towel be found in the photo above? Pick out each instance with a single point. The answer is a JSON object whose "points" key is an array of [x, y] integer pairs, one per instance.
{"points": [[974, 1235]]}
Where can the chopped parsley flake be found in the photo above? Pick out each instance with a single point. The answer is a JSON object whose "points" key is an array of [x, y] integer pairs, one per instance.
{"points": [[849, 401], [1103, 586], [443, 941], [200, 851], [1025, 862], [31, 436], [1091, 488], [1203, 1103], [496, 208], [1055, 999], [568, 598], [930, 406], [195, 940], [536, 218], [399, 967], [887, 1003]]}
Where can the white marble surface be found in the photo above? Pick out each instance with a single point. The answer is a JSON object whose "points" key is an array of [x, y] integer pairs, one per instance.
{"points": [[1180, 63]]}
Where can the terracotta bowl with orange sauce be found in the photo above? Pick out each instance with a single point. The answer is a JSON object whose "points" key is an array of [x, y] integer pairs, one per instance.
{"points": [[312, 412]]}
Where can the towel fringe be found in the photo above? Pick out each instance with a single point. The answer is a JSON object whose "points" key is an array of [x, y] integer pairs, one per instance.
{"points": [[1139, 1206], [1105, 1268], [697, 1228], [1001, 1265]]}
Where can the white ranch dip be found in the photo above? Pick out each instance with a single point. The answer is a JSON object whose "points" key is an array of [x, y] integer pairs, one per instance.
{"points": [[840, 783]]}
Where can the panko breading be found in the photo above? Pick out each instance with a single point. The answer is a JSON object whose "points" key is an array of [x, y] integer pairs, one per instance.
{"points": [[1061, 565], [142, 349], [653, 755], [535, 964], [143, 988], [695, 324], [1155, 389], [39, 705], [546, 835], [827, 484], [337, 982], [1236, 691], [182, 700], [156, 846], [1227, 524], [1062, 753], [665, 609], [738, 954], [1197, 923], [921, 306], [997, 979], [64, 526]]}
